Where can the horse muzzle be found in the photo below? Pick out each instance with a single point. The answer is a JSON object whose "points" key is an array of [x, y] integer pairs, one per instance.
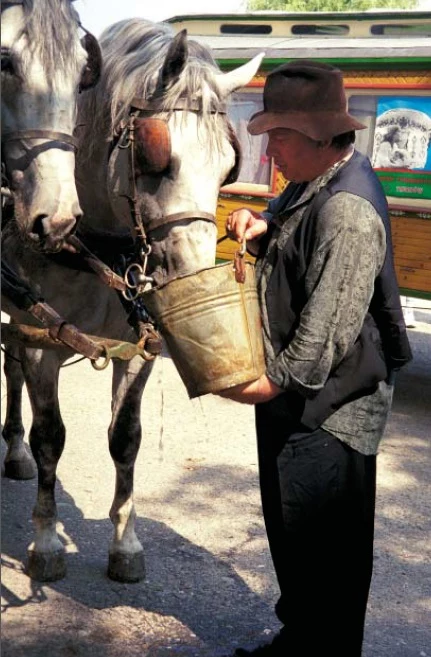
{"points": [[49, 233]]}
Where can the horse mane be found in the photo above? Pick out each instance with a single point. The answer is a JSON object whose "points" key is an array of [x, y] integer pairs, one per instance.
{"points": [[50, 26], [133, 54]]}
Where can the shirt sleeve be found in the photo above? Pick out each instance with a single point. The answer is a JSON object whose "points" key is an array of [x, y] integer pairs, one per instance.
{"points": [[348, 254]]}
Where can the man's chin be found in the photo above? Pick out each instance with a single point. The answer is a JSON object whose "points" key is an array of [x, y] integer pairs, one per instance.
{"points": [[286, 173]]}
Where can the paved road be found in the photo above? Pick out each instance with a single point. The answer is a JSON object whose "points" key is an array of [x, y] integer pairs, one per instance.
{"points": [[210, 585]]}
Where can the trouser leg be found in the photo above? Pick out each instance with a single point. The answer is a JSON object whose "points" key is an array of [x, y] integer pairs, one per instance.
{"points": [[318, 498]]}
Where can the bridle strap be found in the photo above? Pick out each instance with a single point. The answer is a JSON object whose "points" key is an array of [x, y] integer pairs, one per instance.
{"points": [[176, 217], [181, 105], [141, 105], [51, 135]]}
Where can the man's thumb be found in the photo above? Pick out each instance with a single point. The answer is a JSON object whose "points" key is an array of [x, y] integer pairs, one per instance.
{"points": [[256, 230]]}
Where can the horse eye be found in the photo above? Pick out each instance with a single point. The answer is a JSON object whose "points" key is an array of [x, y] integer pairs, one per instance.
{"points": [[6, 61]]}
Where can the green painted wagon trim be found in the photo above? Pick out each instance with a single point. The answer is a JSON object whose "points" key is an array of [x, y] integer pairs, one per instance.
{"points": [[414, 63], [417, 294]]}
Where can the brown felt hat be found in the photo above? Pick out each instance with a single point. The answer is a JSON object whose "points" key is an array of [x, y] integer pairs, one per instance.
{"points": [[306, 96]]}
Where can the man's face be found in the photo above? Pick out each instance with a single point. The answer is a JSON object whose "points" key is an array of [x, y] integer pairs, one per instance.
{"points": [[298, 157]]}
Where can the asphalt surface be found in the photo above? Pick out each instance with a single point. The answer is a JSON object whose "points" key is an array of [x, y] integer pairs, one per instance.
{"points": [[210, 585]]}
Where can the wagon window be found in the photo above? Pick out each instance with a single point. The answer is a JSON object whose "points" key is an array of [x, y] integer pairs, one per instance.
{"points": [[364, 109], [320, 30], [237, 28], [256, 170], [410, 29]]}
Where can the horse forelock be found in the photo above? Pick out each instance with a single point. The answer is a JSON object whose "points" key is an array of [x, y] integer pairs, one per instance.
{"points": [[51, 29], [134, 51]]}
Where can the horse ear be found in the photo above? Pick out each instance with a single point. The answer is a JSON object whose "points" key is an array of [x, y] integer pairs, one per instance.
{"points": [[239, 77], [93, 68], [175, 60]]}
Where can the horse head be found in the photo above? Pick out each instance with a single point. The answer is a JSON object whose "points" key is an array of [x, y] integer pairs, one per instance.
{"points": [[171, 144], [44, 66]]}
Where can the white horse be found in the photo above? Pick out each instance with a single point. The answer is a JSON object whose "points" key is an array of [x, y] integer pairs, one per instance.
{"points": [[44, 65], [156, 144]]}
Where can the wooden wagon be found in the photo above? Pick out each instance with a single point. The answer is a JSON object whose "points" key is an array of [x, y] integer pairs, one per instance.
{"points": [[386, 60]]}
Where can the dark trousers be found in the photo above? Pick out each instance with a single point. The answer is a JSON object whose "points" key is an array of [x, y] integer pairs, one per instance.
{"points": [[318, 499]]}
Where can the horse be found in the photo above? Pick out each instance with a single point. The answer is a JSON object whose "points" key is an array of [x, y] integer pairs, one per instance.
{"points": [[155, 147], [44, 65]]}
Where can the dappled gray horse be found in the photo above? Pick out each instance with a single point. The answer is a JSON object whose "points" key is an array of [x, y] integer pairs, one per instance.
{"points": [[44, 65], [166, 95]]}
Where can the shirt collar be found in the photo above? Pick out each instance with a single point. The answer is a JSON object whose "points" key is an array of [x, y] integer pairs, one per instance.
{"points": [[316, 185]]}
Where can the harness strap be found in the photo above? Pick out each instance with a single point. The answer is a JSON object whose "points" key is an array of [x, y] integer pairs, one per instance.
{"points": [[34, 337], [106, 274], [17, 290], [182, 104], [153, 224], [70, 335], [52, 135]]}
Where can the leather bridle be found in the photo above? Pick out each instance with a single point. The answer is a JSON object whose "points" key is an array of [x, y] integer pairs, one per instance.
{"points": [[51, 138], [127, 140], [141, 107]]}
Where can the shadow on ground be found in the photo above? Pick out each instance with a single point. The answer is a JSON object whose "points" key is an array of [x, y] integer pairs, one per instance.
{"points": [[185, 583]]}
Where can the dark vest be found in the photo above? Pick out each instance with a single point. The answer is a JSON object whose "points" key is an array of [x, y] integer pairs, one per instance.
{"points": [[382, 345]]}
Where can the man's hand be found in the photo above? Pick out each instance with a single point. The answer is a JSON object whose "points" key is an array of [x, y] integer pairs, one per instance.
{"points": [[245, 223], [254, 392]]}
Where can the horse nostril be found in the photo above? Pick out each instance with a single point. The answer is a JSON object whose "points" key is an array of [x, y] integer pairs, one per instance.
{"points": [[46, 227], [38, 226]]}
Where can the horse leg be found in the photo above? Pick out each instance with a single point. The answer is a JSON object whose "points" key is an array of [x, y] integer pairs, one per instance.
{"points": [[18, 463], [46, 560], [126, 554]]}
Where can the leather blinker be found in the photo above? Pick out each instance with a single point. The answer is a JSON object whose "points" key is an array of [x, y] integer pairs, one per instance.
{"points": [[153, 145]]}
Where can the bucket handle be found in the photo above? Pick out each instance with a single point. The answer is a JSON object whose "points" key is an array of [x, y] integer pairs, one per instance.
{"points": [[239, 262]]}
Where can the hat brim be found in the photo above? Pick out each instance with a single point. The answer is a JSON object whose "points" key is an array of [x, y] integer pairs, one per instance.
{"points": [[316, 125]]}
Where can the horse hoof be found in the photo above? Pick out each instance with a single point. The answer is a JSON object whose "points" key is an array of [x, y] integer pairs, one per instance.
{"points": [[46, 566], [126, 568], [21, 470]]}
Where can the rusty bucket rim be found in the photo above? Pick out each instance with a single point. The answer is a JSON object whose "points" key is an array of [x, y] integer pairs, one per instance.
{"points": [[220, 265]]}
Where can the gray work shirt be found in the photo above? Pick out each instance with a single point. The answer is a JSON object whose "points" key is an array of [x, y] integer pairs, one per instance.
{"points": [[348, 254]]}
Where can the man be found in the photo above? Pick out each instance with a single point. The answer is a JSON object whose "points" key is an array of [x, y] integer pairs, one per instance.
{"points": [[333, 334]]}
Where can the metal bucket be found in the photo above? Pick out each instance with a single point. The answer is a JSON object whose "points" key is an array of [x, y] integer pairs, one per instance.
{"points": [[211, 324]]}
